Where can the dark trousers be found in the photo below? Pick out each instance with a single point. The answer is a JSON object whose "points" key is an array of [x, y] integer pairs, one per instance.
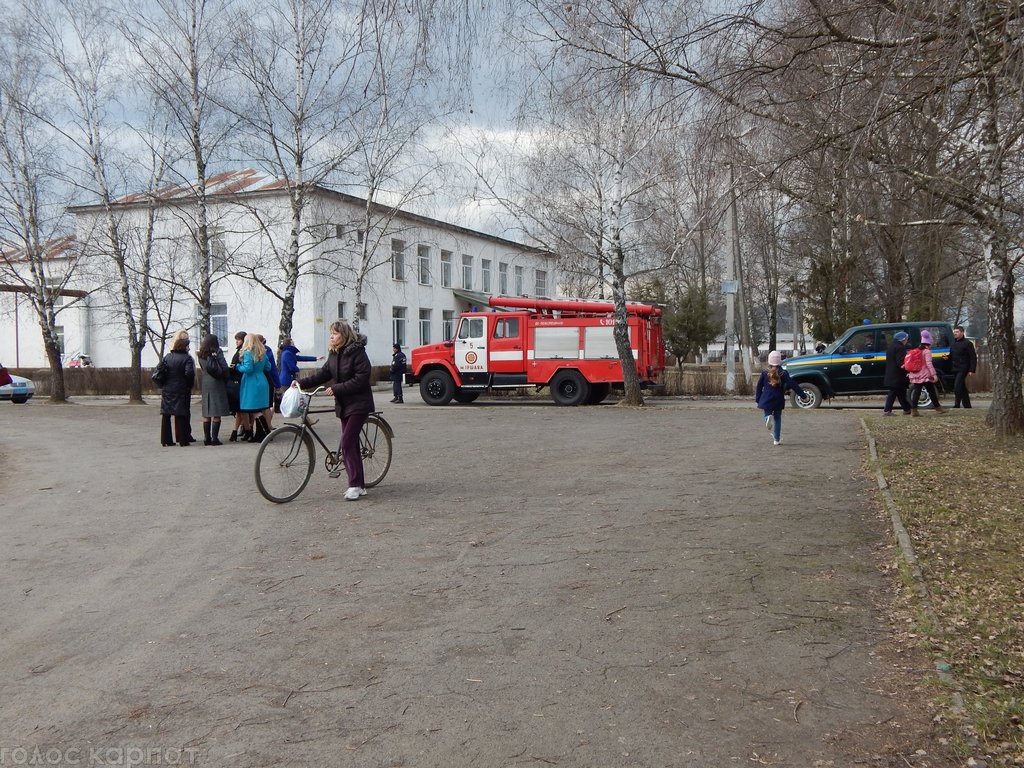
{"points": [[351, 426], [396, 387], [182, 429], [960, 394], [897, 393], [929, 387]]}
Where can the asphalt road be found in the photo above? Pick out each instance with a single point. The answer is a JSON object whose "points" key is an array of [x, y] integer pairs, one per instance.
{"points": [[530, 586]]}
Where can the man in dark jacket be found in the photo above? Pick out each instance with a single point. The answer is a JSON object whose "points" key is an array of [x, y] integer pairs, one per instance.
{"points": [[397, 372], [895, 377], [965, 363]]}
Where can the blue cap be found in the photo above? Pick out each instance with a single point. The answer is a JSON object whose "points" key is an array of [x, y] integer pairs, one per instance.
{"points": [[901, 336]]}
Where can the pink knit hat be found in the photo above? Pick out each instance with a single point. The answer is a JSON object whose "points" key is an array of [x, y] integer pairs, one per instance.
{"points": [[775, 357], [926, 338]]}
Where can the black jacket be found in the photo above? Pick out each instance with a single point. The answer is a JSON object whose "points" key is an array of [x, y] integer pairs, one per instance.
{"points": [[349, 369], [963, 356], [176, 394], [895, 376], [398, 366]]}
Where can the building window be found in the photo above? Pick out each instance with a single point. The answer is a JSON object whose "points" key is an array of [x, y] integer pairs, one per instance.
{"points": [[398, 259], [58, 331], [424, 326], [339, 231], [423, 256], [342, 310], [361, 311], [519, 281], [540, 282], [398, 318], [485, 275], [219, 323], [447, 324], [503, 278], [360, 236], [446, 269], [467, 271]]}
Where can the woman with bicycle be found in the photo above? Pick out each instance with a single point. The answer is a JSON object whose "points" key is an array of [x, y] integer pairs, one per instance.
{"points": [[348, 366]]}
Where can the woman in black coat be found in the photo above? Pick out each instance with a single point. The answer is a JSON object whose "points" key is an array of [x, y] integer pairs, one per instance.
{"points": [[349, 368], [896, 380], [176, 393]]}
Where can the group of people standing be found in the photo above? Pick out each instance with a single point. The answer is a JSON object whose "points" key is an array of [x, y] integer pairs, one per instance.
{"points": [[258, 379], [245, 387], [905, 386]]}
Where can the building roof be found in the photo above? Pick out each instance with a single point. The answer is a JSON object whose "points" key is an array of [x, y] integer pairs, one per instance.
{"points": [[57, 248], [250, 183]]}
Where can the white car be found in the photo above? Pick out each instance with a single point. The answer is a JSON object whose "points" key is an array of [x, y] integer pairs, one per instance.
{"points": [[19, 390]]}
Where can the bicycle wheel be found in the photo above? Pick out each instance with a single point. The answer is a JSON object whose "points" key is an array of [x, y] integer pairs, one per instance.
{"points": [[375, 446], [284, 463]]}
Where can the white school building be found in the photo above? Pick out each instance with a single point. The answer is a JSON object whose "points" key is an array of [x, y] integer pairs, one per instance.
{"points": [[419, 273]]}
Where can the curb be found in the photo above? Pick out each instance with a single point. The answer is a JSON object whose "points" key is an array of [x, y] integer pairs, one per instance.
{"points": [[942, 667]]}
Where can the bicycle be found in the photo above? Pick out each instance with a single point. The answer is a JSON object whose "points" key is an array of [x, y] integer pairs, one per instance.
{"points": [[286, 457]]}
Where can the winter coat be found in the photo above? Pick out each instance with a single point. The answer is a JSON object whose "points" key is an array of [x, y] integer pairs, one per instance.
{"points": [[771, 398], [349, 369], [398, 366], [214, 387], [274, 374], [176, 394], [895, 376], [288, 365], [927, 372], [963, 356], [254, 394]]}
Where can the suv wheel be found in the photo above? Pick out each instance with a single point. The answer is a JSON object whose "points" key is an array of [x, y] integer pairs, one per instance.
{"points": [[813, 399]]}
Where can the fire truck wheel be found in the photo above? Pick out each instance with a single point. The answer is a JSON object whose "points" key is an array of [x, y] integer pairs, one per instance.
{"points": [[437, 388], [569, 388], [466, 397]]}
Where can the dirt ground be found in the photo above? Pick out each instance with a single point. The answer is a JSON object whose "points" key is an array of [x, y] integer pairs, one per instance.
{"points": [[530, 586]]}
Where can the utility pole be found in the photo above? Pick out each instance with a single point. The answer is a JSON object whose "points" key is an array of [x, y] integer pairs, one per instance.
{"points": [[729, 286]]}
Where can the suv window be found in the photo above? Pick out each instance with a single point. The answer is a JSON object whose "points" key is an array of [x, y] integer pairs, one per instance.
{"points": [[940, 339], [862, 341]]}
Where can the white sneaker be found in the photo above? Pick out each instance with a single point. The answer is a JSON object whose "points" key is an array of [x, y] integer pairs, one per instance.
{"points": [[777, 442], [768, 421], [354, 493]]}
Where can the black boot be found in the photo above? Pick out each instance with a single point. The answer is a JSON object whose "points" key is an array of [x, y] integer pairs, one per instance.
{"points": [[165, 430], [216, 434], [206, 434], [183, 431], [233, 437], [261, 431]]}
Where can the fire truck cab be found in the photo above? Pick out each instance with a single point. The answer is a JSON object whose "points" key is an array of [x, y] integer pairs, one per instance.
{"points": [[567, 345]]}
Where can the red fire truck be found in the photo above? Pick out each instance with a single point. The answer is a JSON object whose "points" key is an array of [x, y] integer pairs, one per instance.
{"points": [[565, 344]]}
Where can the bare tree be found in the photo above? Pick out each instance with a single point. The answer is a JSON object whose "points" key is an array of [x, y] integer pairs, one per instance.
{"points": [[77, 39], [181, 49], [39, 259], [584, 184], [953, 68]]}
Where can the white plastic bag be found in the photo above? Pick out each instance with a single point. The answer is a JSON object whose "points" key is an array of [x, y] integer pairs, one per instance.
{"points": [[293, 403]]}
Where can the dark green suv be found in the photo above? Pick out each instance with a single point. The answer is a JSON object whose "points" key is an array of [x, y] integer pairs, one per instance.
{"points": [[854, 364]]}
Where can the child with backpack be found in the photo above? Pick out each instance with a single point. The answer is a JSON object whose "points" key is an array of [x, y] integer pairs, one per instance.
{"points": [[771, 393], [921, 371]]}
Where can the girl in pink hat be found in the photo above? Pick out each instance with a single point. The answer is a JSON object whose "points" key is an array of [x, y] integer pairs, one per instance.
{"points": [[925, 377], [771, 393]]}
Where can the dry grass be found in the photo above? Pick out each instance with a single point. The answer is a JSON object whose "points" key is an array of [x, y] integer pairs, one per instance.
{"points": [[959, 489]]}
